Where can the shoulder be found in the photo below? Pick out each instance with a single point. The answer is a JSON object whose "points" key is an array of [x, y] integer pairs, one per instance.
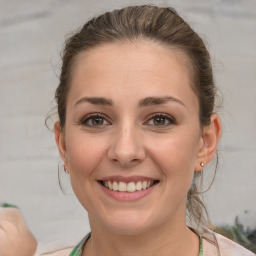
{"points": [[62, 252], [57, 248], [230, 248], [53, 249], [226, 246]]}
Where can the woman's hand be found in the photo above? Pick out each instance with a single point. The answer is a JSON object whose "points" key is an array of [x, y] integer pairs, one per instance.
{"points": [[15, 237]]}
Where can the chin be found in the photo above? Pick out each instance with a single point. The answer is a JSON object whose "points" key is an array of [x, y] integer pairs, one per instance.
{"points": [[128, 223]]}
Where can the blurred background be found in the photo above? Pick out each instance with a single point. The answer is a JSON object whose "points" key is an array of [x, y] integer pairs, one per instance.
{"points": [[32, 34]]}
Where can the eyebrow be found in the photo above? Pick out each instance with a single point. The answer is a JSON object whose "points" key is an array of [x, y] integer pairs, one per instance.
{"points": [[148, 101], [95, 101]]}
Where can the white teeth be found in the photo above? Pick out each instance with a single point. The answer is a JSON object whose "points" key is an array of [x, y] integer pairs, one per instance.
{"points": [[109, 185], [115, 186], [122, 187], [139, 185], [130, 187]]}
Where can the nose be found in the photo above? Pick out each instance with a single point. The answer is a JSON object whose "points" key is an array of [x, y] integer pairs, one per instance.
{"points": [[126, 147]]}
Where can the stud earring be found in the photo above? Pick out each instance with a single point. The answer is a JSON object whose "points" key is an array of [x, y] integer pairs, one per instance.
{"points": [[202, 164]]}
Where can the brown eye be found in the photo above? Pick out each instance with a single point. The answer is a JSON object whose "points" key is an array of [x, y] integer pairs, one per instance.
{"points": [[97, 121], [161, 120], [94, 121]]}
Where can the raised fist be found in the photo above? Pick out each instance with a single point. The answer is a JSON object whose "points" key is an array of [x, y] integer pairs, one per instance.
{"points": [[15, 237]]}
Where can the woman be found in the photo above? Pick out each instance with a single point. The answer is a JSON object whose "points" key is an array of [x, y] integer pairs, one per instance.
{"points": [[136, 128]]}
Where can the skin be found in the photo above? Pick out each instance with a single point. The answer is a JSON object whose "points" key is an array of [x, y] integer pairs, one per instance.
{"points": [[130, 142], [15, 237]]}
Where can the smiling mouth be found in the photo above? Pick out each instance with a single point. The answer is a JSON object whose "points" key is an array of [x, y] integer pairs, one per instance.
{"points": [[129, 187]]}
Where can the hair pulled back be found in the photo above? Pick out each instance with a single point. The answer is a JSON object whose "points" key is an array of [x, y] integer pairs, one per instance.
{"points": [[159, 24]]}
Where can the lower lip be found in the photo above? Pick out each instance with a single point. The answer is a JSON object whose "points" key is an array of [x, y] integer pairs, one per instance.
{"points": [[128, 196]]}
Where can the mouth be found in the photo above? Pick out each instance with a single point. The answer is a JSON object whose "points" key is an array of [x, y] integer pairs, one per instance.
{"points": [[128, 187]]}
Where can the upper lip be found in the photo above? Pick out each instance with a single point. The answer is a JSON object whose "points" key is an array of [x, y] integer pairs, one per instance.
{"points": [[128, 179]]}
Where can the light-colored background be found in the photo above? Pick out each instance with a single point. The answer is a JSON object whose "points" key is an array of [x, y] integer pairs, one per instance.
{"points": [[31, 37]]}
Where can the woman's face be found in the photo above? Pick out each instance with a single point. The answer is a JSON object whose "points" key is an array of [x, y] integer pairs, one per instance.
{"points": [[132, 138]]}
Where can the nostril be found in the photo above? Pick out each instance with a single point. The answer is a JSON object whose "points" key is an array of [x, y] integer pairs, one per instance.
{"points": [[126, 151], [126, 161]]}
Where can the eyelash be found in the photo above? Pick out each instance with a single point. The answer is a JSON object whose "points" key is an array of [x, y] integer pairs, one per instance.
{"points": [[84, 120], [170, 119]]}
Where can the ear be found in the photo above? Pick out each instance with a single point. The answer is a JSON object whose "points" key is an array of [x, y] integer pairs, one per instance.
{"points": [[209, 142], [60, 141]]}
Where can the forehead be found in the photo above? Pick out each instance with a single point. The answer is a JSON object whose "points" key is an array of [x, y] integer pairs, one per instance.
{"points": [[125, 67]]}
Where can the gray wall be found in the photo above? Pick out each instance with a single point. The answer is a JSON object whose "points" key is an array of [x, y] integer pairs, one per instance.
{"points": [[31, 37]]}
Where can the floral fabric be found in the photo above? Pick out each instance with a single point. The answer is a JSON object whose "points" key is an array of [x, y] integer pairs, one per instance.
{"points": [[77, 251]]}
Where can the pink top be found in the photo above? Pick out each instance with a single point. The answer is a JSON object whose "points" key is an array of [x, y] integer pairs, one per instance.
{"points": [[226, 247]]}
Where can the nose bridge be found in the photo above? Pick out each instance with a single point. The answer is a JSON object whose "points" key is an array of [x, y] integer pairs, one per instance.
{"points": [[126, 146]]}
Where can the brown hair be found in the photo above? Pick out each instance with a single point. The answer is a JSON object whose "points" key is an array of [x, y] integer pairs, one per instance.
{"points": [[164, 26]]}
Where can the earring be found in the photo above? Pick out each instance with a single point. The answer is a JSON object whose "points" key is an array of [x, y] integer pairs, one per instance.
{"points": [[202, 164]]}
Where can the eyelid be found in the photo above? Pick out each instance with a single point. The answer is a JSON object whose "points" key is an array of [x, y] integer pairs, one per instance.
{"points": [[84, 119], [171, 119]]}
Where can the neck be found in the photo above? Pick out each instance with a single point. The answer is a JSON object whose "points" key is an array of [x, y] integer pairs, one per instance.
{"points": [[166, 240]]}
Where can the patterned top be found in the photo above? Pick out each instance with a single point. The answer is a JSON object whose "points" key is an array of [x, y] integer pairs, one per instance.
{"points": [[77, 251]]}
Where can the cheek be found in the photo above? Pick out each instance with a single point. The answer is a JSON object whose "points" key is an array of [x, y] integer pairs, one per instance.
{"points": [[176, 157], [84, 153]]}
